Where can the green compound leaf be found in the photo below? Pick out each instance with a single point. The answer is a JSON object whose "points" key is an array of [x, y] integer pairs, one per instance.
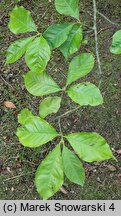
{"points": [[35, 132], [68, 7], [80, 66], [17, 49], [21, 21], [85, 94], [73, 42], [40, 84], [49, 175], [24, 115], [49, 105], [57, 34], [38, 54], [90, 146], [116, 43], [73, 167]]}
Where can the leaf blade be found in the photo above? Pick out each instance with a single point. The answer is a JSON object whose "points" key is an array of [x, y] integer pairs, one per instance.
{"points": [[73, 42], [35, 132], [90, 146], [85, 94], [49, 175], [73, 168], [80, 66], [40, 84], [17, 49], [21, 21], [116, 43], [49, 105], [24, 115], [38, 54], [57, 34], [68, 7]]}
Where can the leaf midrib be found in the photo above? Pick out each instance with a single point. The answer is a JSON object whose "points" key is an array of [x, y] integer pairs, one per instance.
{"points": [[27, 27]]}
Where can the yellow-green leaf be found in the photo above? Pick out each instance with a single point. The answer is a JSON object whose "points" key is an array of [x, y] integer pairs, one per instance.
{"points": [[40, 84], [85, 94], [73, 42], [49, 175], [35, 132], [90, 146], [73, 167], [17, 49], [49, 105], [116, 43], [80, 66], [68, 7], [21, 21], [38, 54], [24, 115], [57, 34]]}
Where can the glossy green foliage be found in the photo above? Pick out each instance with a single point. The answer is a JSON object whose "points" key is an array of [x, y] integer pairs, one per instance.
{"points": [[49, 175], [73, 167], [24, 115], [68, 7], [85, 94], [116, 43], [21, 21], [49, 105], [37, 54], [73, 42], [17, 49], [90, 146], [40, 84], [34, 131], [80, 66], [57, 34]]}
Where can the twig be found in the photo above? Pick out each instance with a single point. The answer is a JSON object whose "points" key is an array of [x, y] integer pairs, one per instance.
{"points": [[103, 29], [14, 177], [67, 113], [52, 68], [96, 38], [6, 82], [60, 125], [45, 12], [61, 133], [113, 23]]}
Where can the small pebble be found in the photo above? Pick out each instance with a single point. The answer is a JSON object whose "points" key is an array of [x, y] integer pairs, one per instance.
{"points": [[12, 189], [72, 192]]}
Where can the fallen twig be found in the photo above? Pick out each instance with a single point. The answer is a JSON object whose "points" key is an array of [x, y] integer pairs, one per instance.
{"points": [[113, 23], [6, 82]]}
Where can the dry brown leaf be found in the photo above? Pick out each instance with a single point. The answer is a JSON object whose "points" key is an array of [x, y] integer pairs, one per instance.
{"points": [[9, 104], [119, 175]]}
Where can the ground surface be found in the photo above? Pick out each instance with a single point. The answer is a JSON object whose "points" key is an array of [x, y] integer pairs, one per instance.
{"points": [[18, 164]]}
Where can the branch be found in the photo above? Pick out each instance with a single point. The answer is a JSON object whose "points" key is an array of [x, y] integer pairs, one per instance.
{"points": [[96, 38]]}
